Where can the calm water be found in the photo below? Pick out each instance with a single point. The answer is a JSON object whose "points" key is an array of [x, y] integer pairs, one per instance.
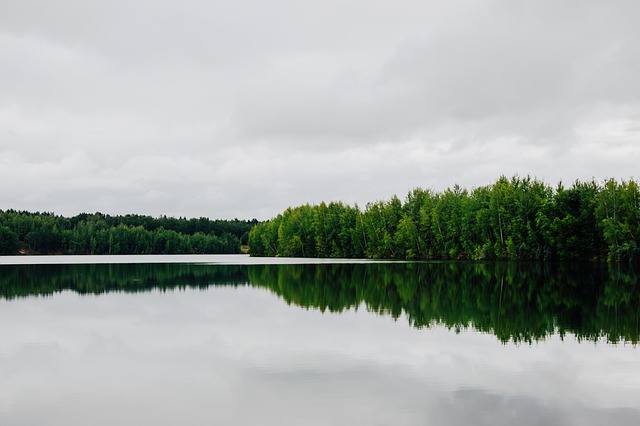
{"points": [[317, 344]]}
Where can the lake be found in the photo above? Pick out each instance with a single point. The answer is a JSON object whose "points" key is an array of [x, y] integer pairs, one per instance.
{"points": [[232, 340]]}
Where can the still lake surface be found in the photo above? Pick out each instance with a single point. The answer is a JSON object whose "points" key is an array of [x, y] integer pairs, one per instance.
{"points": [[201, 340]]}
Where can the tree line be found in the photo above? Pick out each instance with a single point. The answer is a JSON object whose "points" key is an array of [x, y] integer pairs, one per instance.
{"points": [[512, 219], [47, 233]]}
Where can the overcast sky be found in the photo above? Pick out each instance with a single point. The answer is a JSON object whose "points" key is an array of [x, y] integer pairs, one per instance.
{"points": [[241, 108]]}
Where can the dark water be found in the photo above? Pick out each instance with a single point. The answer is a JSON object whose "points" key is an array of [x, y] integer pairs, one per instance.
{"points": [[325, 344]]}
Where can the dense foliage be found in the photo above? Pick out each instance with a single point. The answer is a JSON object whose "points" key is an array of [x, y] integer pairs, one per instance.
{"points": [[46, 233], [516, 219]]}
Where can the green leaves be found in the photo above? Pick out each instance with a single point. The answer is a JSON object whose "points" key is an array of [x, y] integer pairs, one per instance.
{"points": [[515, 219], [8, 241], [45, 233]]}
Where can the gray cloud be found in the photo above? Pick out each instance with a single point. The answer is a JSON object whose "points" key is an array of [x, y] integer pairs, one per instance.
{"points": [[531, 71], [244, 108]]}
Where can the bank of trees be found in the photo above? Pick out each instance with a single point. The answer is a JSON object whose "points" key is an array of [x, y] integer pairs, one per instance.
{"points": [[517, 219], [47, 233]]}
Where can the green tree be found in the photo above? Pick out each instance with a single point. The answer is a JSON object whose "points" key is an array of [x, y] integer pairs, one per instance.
{"points": [[8, 241]]}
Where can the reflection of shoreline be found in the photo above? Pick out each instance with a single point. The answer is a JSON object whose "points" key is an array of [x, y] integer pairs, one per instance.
{"points": [[122, 259], [515, 301], [522, 302], [209, 259], [46, 279]]}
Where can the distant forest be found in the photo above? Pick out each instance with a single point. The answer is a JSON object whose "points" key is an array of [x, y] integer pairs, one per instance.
{"points": [[511, 219], [97, 233]]}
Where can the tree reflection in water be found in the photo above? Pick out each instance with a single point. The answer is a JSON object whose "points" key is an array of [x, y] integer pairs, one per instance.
{"points": [[520, 302]]}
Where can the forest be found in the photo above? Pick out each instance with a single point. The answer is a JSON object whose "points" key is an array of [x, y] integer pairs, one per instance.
{"points": [[512, 219], [46, 233]]}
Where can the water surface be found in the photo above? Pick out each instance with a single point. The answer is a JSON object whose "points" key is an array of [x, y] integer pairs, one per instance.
{"points": [[318, 344]]}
